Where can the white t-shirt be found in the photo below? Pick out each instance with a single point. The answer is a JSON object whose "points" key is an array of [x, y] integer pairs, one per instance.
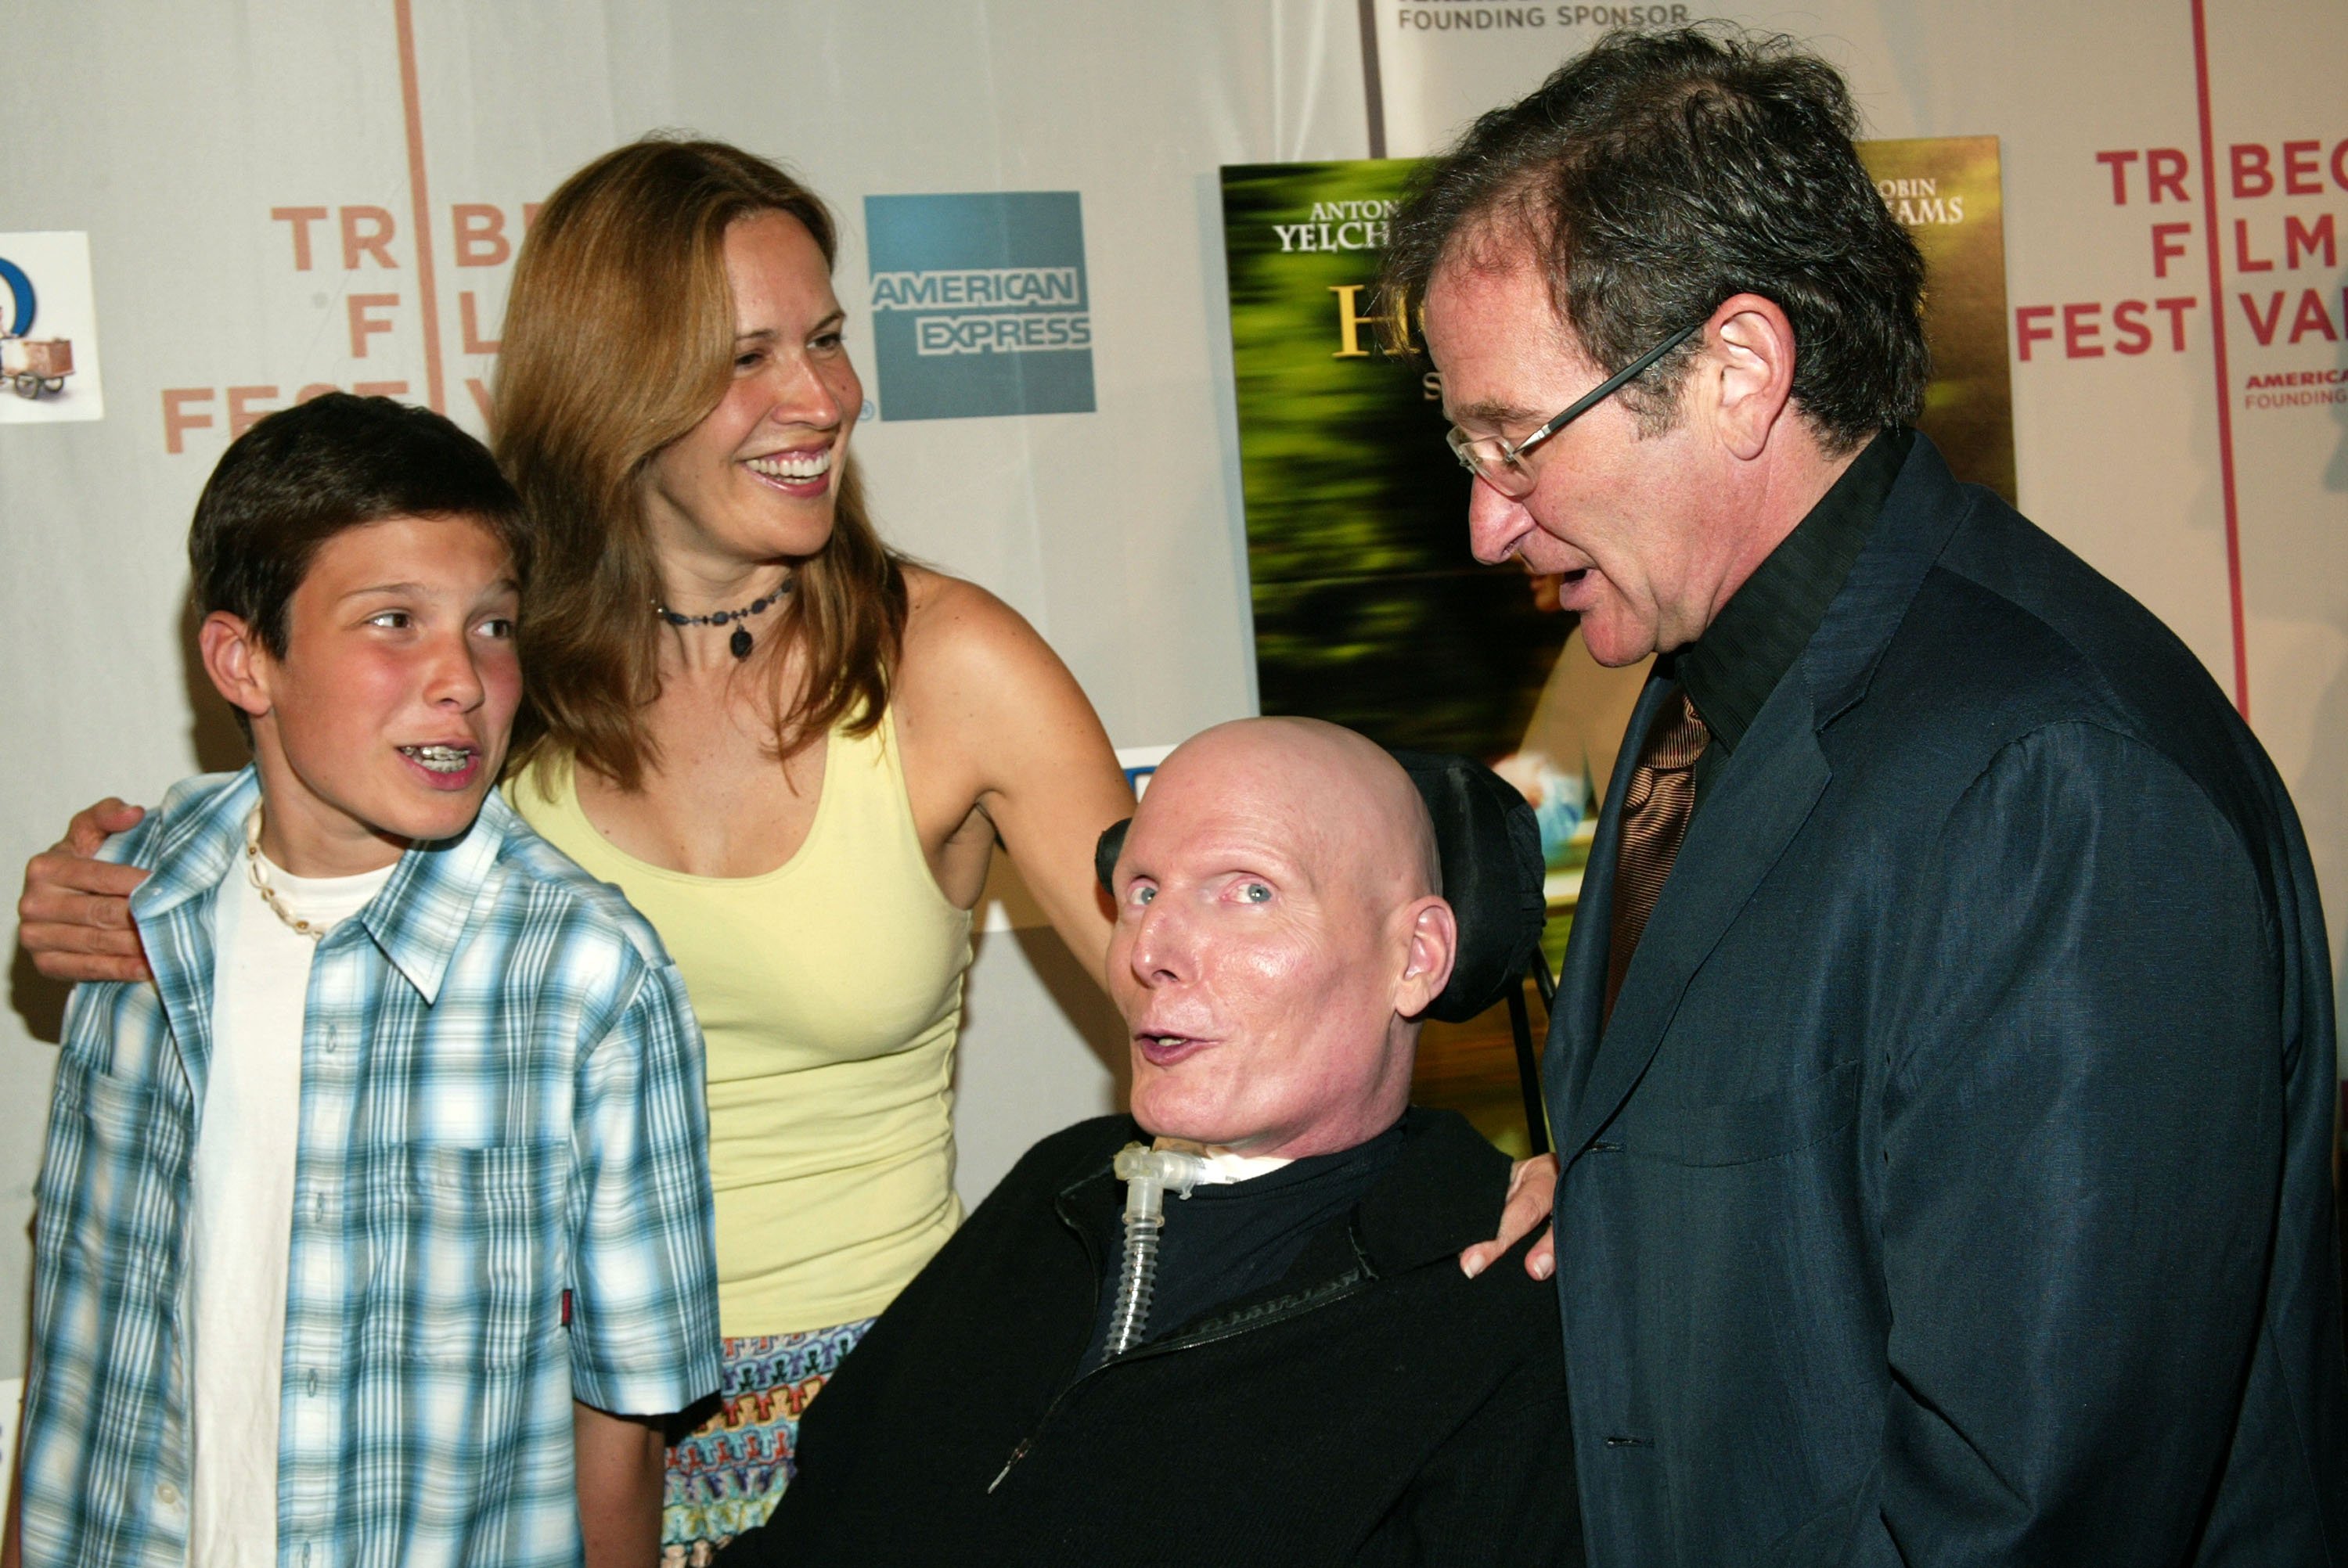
{"points": [[241, 1218]]}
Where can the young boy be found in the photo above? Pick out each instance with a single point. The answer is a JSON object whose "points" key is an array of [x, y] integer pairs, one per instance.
{"points": [[375, 1229]]}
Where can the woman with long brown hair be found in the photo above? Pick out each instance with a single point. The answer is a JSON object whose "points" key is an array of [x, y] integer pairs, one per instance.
{"points": [[791, 748]]}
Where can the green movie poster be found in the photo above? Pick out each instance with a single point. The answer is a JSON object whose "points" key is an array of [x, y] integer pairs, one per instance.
{"points": [[1947, 191], [1369, 609]]}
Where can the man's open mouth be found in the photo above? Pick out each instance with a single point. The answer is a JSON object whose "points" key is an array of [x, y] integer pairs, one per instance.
{"points": [[1165, 1049]]}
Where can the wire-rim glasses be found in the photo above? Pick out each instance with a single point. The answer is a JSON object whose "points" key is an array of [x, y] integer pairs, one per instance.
{"points": [[1503, 466]]}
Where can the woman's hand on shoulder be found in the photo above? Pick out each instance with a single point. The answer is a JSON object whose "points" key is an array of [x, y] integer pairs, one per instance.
{"points": [[1004, 726], [74, 917]]}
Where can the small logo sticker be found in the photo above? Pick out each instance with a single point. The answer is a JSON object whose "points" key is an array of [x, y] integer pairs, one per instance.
{"points": [[48, 330]]}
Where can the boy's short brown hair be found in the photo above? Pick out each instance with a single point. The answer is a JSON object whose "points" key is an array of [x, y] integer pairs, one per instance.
{"points": [[305, 473]]}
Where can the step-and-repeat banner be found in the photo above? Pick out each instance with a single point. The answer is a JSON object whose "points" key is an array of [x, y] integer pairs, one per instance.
{"points": [[211, 208]]}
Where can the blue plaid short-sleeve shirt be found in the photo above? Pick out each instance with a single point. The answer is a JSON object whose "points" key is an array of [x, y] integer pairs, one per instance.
{"points": [[501, 1203]]}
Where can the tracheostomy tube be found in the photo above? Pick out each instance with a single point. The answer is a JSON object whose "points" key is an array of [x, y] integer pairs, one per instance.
{"points": [[1146, 1174]]}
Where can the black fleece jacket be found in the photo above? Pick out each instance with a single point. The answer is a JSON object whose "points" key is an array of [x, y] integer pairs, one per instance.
{"points": [[1372, 1407]]}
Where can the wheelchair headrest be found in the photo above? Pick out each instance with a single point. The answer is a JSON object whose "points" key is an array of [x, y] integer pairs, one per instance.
{"points": [[1488, 843], [1106, 850]]}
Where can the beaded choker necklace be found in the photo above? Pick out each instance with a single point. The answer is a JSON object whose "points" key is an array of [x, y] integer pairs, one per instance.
{"points": [[740, 644], [269, 895]]}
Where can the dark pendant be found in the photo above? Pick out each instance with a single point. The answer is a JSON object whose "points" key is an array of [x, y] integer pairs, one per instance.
{"points": [[740, 642]]}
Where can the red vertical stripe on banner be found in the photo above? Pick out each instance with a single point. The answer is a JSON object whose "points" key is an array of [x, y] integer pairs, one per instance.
{"points": [[414, 111], [2217, 341]]}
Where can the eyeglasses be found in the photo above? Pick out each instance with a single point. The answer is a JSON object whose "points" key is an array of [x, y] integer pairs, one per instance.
{"points": [[1504, 467]]}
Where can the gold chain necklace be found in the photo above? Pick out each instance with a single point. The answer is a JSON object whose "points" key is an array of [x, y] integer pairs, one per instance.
{"points": [[269, 895]]}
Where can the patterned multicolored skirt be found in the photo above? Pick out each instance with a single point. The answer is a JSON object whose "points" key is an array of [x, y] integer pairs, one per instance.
{"points": [[727, 1475]]}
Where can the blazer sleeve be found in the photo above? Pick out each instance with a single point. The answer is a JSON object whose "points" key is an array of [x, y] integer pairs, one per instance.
{"points": [[2078, 1163]]}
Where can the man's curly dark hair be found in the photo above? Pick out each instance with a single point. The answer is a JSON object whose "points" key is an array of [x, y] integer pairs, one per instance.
{"points": [[1661, 173]]}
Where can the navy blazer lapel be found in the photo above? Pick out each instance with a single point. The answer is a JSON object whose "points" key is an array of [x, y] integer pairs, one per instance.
{"points": [[1755, 805], [1574, 1023]]}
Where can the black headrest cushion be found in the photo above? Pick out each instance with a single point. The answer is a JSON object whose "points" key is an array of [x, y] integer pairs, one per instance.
{"points": [[1105, 849], [1490, 845]]}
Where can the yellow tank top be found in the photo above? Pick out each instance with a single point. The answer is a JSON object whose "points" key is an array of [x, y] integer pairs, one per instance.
{"points": [[830, 992]]}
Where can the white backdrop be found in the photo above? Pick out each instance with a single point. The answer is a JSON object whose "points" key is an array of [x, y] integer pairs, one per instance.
{"points": [[170, 135]]}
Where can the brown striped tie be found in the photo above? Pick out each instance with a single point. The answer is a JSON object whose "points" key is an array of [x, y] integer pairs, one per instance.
{"points": [[1655, 809]]}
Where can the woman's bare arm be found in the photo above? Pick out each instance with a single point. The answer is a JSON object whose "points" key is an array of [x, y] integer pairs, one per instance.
{"points": [[75, 916], [618, 1463], [1001, 723]]}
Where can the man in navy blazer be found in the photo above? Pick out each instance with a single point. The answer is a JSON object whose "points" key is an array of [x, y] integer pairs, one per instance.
{"points": [[1946, 1162]]}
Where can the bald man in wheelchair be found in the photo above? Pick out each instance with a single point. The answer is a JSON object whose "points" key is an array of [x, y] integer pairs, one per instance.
{"points": [[1232, 1327]]}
